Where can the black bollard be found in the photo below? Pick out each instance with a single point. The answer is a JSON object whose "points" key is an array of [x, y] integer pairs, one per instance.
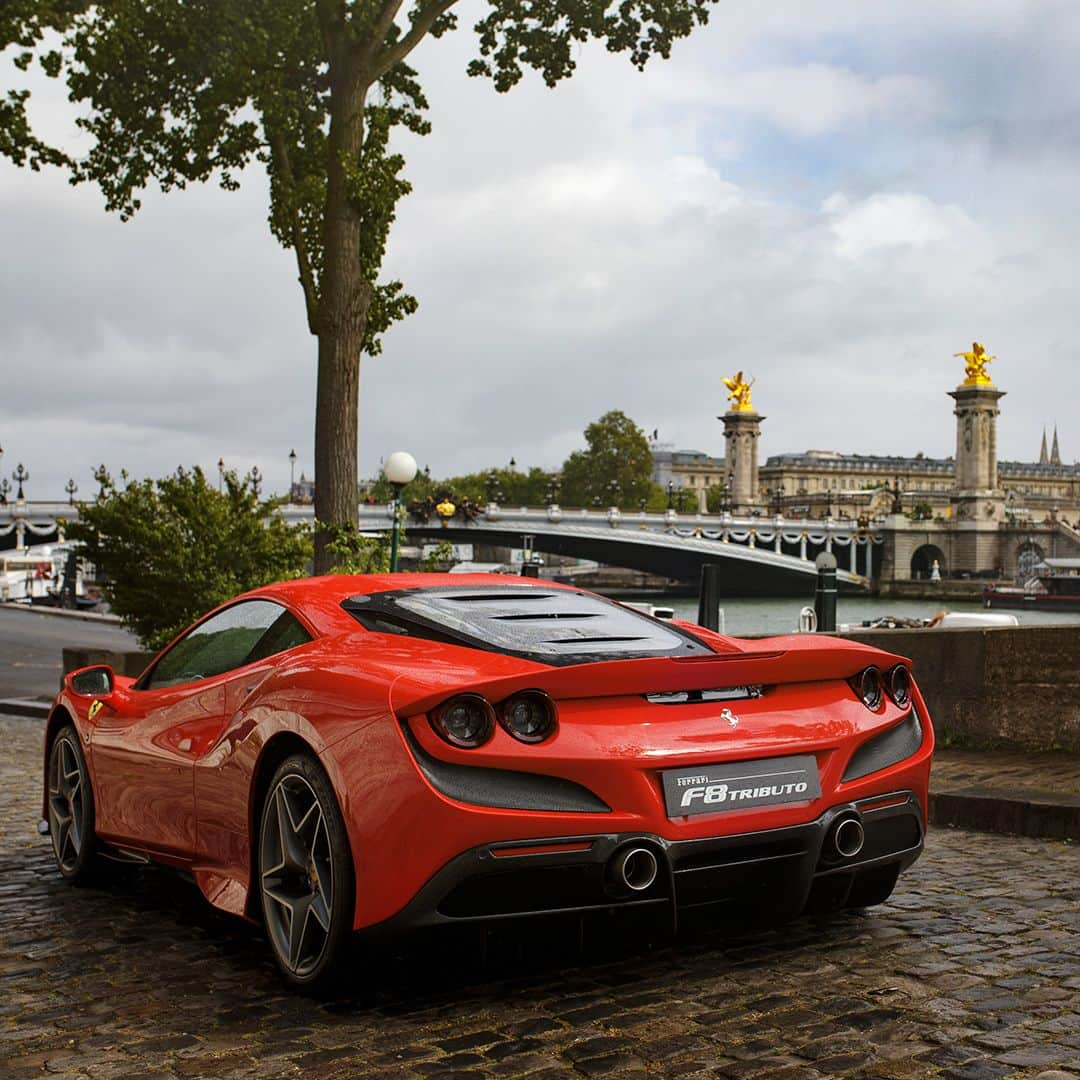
{"points": [[825, 594], [530, 569], [708, 606]]}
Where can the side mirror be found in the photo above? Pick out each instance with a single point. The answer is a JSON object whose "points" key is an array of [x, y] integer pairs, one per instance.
{"points": [[92, 681]]}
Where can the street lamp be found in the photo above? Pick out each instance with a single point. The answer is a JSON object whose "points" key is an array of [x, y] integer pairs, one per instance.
{"points": [[613, 490], [220, 473], [400, 470], [71, 487], [20, 476], [255, 479], [670, 492], [292, 473], [5, 487]]}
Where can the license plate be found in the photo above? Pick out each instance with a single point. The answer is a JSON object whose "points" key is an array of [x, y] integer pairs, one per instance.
{"points": [[740, 785]]}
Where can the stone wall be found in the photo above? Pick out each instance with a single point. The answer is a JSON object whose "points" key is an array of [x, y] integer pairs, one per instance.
{"points": [[1012, 688]]}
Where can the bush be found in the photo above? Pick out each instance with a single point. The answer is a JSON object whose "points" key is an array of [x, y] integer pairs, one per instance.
{"points": [[174, 548]]}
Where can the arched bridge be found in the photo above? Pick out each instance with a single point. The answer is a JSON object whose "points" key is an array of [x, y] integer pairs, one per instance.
{"points": [[765, 556]]}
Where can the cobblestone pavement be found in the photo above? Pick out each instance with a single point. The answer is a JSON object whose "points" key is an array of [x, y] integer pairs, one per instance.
{"points": [[972, 971]]}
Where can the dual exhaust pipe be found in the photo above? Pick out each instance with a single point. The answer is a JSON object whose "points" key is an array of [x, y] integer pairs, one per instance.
{"points": [[633, 870], [845, 838]]}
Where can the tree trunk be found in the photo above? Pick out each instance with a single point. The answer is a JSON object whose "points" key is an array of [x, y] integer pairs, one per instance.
{"points": [[343, 311]]}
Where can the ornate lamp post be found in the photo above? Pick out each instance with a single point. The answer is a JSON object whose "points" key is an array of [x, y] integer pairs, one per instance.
{"points": [[220, 474], [20, 476], [400, 470], [254, 478], [5, 487], [613, 491], [292, 473], [71, 487], [670, 492]]}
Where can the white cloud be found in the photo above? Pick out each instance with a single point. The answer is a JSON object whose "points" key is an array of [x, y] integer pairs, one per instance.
{"points": [[825, 195]]}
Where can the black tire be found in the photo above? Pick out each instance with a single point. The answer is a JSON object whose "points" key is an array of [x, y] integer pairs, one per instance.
{"points": [[303, 847], [70, 799]]}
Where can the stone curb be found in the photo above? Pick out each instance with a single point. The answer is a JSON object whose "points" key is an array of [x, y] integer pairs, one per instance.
{"points": [[60, 613], [1012, 813], [27, 707]]}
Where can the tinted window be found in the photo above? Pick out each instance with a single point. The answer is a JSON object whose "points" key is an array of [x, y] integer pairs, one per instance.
{"points": [[248, 631]]}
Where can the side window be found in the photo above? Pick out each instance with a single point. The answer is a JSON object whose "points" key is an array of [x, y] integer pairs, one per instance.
{"points": [[227, 641], [284, 633]]}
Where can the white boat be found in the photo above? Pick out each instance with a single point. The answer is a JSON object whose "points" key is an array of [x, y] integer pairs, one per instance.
{"points": [[35, 575]]}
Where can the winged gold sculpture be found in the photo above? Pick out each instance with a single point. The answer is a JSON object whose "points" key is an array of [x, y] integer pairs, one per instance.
{"points": [[740, 392], [975, 365]]}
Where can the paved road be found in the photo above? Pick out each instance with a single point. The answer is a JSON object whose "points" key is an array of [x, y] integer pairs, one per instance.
{"points": [[30, 645], [972, 973]]}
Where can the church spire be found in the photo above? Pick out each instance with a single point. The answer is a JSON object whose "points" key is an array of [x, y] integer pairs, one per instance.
{"points": [[1044, 457], [1055, 453]]}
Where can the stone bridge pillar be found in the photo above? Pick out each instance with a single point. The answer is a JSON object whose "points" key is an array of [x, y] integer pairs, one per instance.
{"points": [[978, 504], [742, 429]]}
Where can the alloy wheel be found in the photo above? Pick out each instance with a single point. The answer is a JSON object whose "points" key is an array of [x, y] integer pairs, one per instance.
{"points": [[67, 803], [297, 875]]}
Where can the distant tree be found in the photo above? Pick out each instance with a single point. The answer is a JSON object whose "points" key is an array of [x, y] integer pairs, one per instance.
{"points": [[174, 548], [714, 498], [179, 91], [617, 454]]}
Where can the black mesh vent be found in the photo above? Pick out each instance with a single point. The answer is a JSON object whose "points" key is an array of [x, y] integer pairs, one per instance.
{"points": [[899, 742], [550, 626]]}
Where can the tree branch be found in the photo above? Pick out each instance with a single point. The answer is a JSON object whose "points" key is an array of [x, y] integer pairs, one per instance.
{"points": [[382, 28], [420, 26], [280, 151]]}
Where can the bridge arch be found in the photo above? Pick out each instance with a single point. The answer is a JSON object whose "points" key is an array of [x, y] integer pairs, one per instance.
{"points": [[923, 559]]}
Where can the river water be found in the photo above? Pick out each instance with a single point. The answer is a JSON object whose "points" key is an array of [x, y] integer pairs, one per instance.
{"points": [[766, 615]]}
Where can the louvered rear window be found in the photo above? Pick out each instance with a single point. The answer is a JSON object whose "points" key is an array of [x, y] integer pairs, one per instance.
{"points": [[551, 626]]}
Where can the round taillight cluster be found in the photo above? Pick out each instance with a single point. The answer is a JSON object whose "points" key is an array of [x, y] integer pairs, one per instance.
{"points": [[900, 685], [871, 686], [468, 720], [529, 717]]}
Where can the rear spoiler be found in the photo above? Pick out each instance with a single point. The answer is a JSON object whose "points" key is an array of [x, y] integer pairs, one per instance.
{"points": [[801, 658]]}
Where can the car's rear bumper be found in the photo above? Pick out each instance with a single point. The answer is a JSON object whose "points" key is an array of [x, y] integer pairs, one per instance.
{"points": [[781, 871]]}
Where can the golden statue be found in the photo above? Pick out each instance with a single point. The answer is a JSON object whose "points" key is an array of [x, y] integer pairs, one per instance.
{"points": [[975, 365], [740, 392]]}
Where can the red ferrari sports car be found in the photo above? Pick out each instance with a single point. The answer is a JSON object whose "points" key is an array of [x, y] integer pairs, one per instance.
{"points": [[350, 753]]}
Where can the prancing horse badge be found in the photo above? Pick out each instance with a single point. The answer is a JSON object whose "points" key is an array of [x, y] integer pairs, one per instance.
{"points": [[730, 717]]}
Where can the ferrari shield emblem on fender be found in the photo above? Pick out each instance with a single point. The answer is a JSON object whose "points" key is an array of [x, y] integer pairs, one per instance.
{"points": [[95, 707], [730, 717]]}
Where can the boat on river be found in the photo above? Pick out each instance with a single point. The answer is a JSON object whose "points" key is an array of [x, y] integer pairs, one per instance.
{"points": [[1055, 587], [38, 574]]}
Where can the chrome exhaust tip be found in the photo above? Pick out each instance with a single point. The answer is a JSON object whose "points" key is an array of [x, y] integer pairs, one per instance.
{"points": [[635, 869], [848, 837]]}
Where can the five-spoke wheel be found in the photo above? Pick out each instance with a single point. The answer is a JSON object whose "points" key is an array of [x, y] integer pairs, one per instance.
{"points": [[305, 873], [71, 807]]}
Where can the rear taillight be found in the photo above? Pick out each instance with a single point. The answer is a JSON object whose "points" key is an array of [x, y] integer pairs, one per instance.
{"points": [[466, 721], [900, 685], [529, 716], [867, 685]]}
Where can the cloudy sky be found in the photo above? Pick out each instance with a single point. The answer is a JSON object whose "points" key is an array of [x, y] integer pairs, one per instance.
{"points": [[834, 197]]}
